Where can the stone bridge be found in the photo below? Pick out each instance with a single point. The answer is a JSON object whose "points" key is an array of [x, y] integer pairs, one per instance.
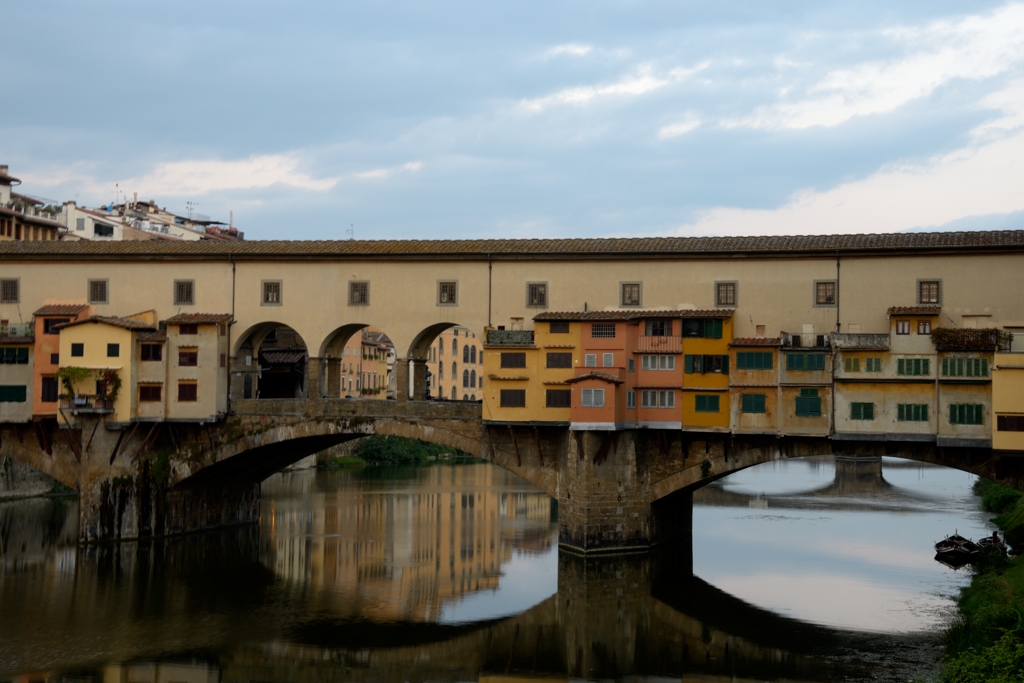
{"points": [[616, 491]]}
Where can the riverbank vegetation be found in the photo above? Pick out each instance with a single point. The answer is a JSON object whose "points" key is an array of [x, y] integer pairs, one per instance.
{"points": [[394, 450], [986, 641]]}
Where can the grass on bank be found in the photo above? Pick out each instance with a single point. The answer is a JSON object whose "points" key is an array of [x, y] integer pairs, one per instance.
{"points": [[986, 641], [394, 450]]}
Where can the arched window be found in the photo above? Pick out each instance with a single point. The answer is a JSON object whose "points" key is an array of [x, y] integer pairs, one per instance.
{"points": [[481, 382], [472, 354], [472, 397], [472, 379], [440, 347], [454, 395], [465, 398], [465, 353], [455, 348], [455, 372], [465, 378], [440, 371]]}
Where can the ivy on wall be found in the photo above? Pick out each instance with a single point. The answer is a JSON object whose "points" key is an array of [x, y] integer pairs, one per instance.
{"points": [[964, 339]]}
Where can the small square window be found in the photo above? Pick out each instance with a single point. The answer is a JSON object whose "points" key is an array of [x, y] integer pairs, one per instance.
{"points": [[559, 328], [188, 391], [590, 360], [113, 350], [631, 399], [10, 291], [150, 392], [725, 293], [77, 350], [54, 359], [359, 293], [825, 293], [271, 293], [188, 329], [184, 292], [537, 295], [631, 364], [188, 358], [447, 293], [929, 291], [924, 327], [98, 292], [630, 293], [50, 323], [602, 331], [152, 352], [607, 360], [902, 327]]}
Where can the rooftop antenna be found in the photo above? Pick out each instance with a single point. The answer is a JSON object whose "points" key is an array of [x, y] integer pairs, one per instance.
{"points": [[351, 232], [189, 206]]}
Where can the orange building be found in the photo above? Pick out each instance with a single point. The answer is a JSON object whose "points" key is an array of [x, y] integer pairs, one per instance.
{"points": [[47, 353]]}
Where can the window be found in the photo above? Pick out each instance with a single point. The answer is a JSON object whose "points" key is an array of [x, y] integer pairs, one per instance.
{"points": [[455, 371], [658, 362], [455, 345], [465, 379], [472, 354], [184, 292], [965, 367], [602, 331], [77, 350], [113, 350], [754, 360], [49, 390], [559, 360], [753, 403], [188, 391], [873, 364], [805, 361], [658, 398], [80, 224], [966, 414], [631, 364], [862, 411], [510, 398], [558, 398], [851, 364], [50, 323], [929, 291], [440, 370], [629, 293], [513, 360], [902, 327], [1010, 423], [359, 293], [590, 360], [151, 392], [713, 329], [659, 328], [537, 295], [194, 329], [559, 328], [725, 293], [631, 399], [705, 403], [696, 364], [913, 367], [271, 293], [825, 293], [188, 358], [102, 230], [10, 291], [152, 352], [808, 403], [592, 398], [924, 327], [97, 291], [607, 360], [12, 393], [465, 354], [912, 412], [447, 293], [223, 360], [54, 359], [14, 355]]}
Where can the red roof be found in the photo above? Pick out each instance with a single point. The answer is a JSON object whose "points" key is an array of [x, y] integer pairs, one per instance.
{"points": [[126, 323], [603, 376], [198, 318], [61, 309], [156, 336], [915, 310], [632, 315], [756, 341]]}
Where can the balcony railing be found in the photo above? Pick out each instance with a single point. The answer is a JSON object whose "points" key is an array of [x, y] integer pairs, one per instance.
{"points": [[86, 404], [17, 331], [659, 344]]}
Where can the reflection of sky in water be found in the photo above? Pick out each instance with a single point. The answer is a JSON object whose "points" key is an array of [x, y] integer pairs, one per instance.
{"points": [[527, 579], [856, 569]]}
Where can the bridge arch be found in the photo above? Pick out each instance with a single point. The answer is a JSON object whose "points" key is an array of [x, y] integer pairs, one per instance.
{"points": [[270, 360]]}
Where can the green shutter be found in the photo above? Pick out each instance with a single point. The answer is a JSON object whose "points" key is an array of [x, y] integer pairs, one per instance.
{"points": [[713, 329], [901, 412], [23, 355], [901, 367], [713, 404], [725, 366], [794, 361], [926, 366], [945, 367], [688, 364], [10, 355], [984, 367], [753, 403], [924, 412], [741, 361], [698, 403]]}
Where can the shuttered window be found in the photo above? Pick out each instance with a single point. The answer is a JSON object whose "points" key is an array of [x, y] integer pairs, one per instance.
{"points": [[851, 364], [558, 360], [862, 411], [13, 393], [658, 362], [805, 361], [704, 403], [513, 398], [808, 403], [965, 367], [754, 360], [188, 391], [966, 414], [1010, 423], [873, 364], [913, 367], [912, 412], [753, 403], [150, 392], [14, 355], [558, 398], [513, 360], [592, 398], [697, 364], [184, 292]]}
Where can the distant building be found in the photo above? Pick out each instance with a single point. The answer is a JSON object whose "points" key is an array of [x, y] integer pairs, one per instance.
{"points": [[456, 364], [24, 218]]}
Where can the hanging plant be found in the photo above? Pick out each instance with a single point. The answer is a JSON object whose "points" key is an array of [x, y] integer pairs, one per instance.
{"points": [[965, 339], [110, 383], [70, 376]]}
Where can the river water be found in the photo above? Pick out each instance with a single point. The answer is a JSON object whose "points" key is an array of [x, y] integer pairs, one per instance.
{"points": [[817, 569]]}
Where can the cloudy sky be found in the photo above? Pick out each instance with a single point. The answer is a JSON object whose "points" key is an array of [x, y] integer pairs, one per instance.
{"points": [[457, 120]]}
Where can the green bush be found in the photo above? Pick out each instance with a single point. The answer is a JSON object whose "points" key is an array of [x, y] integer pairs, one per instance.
{"points": [[396, 450], [1002, 662], [996, 497]]}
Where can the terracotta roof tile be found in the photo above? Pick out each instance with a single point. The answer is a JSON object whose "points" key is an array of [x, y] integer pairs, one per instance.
{"points": [[126, 323], [756, 341], [198, 318], [629, 315], [603, 376], [61, 309], [283, 356], [915, 310], [639, 247], [156, 336]]}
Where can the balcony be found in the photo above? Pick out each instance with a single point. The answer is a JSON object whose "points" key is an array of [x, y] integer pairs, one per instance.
{"points": [[17, 331], [659, 344], [86, 405], [510, 337], [866, 342]]}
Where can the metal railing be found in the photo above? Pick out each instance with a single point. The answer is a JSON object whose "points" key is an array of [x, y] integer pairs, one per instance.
{"points": [[18, 330], [82, 402]]}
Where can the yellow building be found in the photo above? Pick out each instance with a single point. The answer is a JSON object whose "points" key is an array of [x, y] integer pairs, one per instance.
{"points": [[456, 365], [1008, 401], [16, 372], [706, 367], [754, 385]]}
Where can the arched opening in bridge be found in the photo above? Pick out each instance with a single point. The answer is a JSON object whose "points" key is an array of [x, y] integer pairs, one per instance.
{"points": [[358, 360], [271, 361], [452, 356]]}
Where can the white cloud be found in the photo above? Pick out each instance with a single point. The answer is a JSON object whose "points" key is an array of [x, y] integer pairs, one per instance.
{"points": [[386, 172], [674, 130], [975, 47], [573, 49], [630, 86], [967, 182]]}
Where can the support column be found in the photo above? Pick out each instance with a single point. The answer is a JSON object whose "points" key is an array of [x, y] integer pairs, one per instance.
{"points": [[402, 379], [419, 379]]}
